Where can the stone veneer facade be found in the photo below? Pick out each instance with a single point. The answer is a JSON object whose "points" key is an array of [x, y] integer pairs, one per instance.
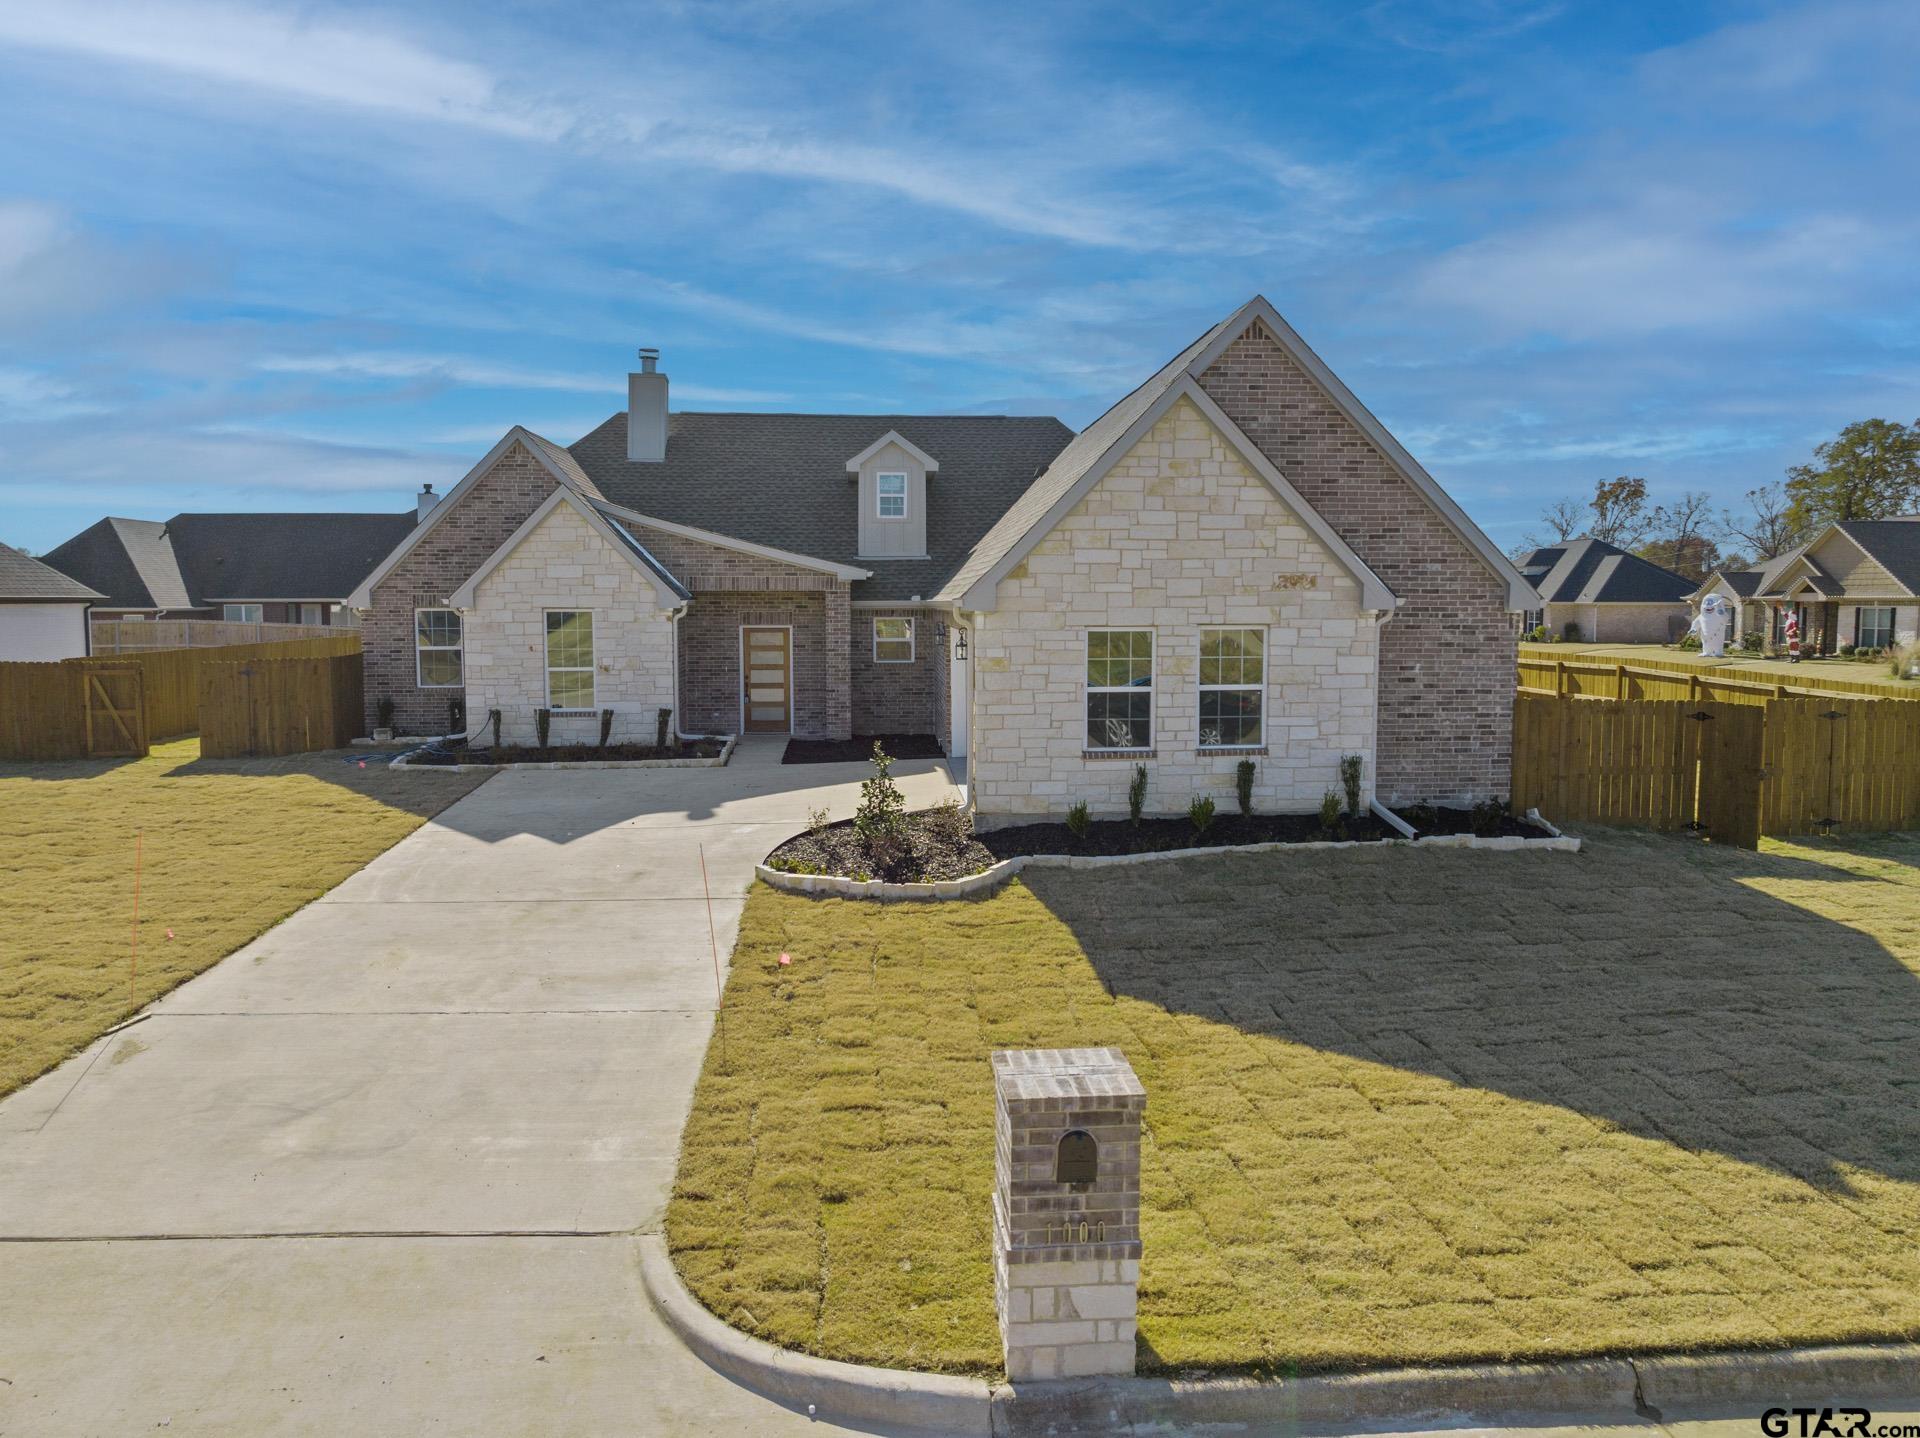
{"points": [[1177, 536], [564, 564], [460, 541], [1447, 655]]}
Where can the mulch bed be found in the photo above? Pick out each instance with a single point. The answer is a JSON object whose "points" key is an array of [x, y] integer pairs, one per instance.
{"points": [[859, 749], [1431, 819], [940, 850], [564, 753]]}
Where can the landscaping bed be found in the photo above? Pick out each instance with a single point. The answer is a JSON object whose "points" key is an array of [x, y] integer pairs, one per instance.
{"points": [[440, 754], [859, 749], [1404, 1106], [1435, 820]]}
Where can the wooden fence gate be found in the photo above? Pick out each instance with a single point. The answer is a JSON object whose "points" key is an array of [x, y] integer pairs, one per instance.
{"points": [[1658, 764], [113, 699], [264, 707]]}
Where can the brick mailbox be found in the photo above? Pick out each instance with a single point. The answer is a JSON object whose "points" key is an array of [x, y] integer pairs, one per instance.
{"points": [[1066, 1210]]}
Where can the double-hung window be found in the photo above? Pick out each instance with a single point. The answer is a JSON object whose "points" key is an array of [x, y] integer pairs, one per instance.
{"points": [[1120, 689], [240, 613], [1233, 684], [1873, 627], [570, 658], [893, 641], [890, 495], [436, 649]]}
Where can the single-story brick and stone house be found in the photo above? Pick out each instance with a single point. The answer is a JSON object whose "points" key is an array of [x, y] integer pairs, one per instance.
{"points": [[1236, 561]]}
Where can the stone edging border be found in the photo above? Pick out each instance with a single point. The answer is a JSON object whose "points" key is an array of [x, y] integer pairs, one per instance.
{"points": [[1629, 1390], [992, 878], [726, 753]]}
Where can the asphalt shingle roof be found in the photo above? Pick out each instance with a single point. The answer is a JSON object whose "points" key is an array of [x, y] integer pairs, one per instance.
{"points": [[193, 560], [781, 480], [24, 577], [1591, 571]]}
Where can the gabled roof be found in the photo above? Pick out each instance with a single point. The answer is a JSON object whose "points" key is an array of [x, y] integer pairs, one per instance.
{"points": [[624, 516], [1591, 571], [23, 577], [893, 436], [1743, 582], [1100, 445], [130, 561], [671, 591], [780, 481], [550, 456], [1893, 544]]}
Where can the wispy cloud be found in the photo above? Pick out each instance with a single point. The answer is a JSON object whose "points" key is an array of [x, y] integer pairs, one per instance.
{"points": [[480, 374]]}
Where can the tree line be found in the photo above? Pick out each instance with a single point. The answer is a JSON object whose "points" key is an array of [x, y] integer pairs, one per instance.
{"points": [[1870, 470]]}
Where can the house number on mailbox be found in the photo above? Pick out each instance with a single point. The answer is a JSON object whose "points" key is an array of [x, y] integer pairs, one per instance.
{"points": [[1078, 1158]]}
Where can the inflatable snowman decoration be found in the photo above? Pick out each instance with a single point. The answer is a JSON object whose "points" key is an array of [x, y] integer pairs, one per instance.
{"points": [[1712, 624]]}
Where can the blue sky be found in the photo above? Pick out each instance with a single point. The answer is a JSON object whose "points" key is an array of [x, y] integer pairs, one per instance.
{"points": [[306, 256]]}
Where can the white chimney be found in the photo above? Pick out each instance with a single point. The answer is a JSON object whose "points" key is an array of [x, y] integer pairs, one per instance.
{"points": [[423, 502], [647, 410]]}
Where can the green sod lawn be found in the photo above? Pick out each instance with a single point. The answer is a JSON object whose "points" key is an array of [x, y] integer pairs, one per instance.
{"points": [[1402, 1106], [228, 848]]}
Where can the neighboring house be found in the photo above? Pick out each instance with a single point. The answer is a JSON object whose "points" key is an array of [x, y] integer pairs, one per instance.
{"points": [[1612, 596], [1856, 582], [251, 568], [43, 613], [1235, 561]]}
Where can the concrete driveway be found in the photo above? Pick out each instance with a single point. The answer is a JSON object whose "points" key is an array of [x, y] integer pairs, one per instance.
{"points": [[380, 1170]]}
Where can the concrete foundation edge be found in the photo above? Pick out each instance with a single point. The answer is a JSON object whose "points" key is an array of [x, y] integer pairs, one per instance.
{"points": [[844, 1393]]}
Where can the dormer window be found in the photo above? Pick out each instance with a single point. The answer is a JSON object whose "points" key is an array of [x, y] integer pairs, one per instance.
{"points": [[890, 491]]}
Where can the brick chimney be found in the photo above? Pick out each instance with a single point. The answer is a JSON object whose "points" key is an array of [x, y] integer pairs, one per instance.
{"points": [[647, 410]]}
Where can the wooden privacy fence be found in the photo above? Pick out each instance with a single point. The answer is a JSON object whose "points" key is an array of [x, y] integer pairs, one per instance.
{"points": [[279, 706], [1733, 769], [72, 710], [1655, 679], [173, 675], [130, 636]]}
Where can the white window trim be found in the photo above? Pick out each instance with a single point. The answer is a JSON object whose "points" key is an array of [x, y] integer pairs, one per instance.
{"points": [[1260, 688], [880, 496], [227, 615], [880, 619], [419, 679], [1086, 689], [1859, 621], [590, 670]]}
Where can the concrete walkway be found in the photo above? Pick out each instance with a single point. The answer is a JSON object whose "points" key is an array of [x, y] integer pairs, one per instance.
{"points": [[379, 1171]]}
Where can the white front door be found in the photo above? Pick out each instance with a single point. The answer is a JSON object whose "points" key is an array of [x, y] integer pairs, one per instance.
{"points": [[959, 692]]}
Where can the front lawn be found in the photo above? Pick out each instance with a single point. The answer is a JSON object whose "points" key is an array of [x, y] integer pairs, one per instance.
{"points": [[1403, 1106], [228, 848]]}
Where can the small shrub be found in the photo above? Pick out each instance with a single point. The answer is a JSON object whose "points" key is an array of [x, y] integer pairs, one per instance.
{"points": [[1243, 786], [1846, 651], [1904, 660], [493, 723], [1137, 792], [542, 723], [1423, 817], [1538, 635], [606, 726], [1690, 643], [1200, 811], [949, 824], [660, 720], [1350, 771], [1077, 820], [1330, 812], [880, 821], [817, 821], [383, 714], [1570, 631], [456, 716], [1488, 817], [1753, 641]]}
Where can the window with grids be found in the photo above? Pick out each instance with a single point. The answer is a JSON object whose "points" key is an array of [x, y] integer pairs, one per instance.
{"points": [[570, 658], [1873, 628], [436, 649], [893, 641], [891, 490], [240, 613], [1120, 689], [1233, 683]]}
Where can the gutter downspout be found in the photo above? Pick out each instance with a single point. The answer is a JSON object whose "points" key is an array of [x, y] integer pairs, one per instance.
{"points": [[679, 719]]}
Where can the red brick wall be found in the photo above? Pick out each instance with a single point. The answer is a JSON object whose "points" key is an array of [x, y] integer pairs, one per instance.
{"points": [[710, 659], [485, 515], [1447, 655], [898, 698]]}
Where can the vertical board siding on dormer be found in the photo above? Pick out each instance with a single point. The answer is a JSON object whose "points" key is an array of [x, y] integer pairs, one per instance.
{"points": [[893, 538]]}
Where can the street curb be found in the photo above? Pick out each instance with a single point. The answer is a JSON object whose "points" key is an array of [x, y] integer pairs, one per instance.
{"points": [[845, 1393], [1617, 1390]]}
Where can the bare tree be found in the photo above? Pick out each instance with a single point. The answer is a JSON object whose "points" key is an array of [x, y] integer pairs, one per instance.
{"points": [[1769, 527], [1564, 518]]}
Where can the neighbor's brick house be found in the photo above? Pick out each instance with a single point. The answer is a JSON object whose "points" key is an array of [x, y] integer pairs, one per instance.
{"points": [[1236, 561]]}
